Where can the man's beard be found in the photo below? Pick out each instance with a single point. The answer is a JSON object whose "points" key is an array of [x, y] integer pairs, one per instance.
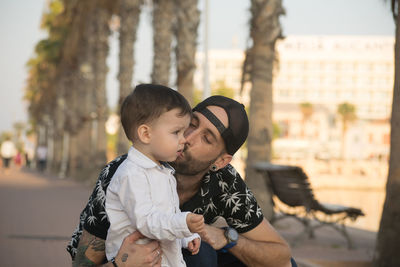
{"points": [[190, 166]]}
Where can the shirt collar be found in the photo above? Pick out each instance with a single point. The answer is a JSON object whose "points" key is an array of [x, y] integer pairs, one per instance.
{"points": [[166, 165], [140, 159], [145, 162]]}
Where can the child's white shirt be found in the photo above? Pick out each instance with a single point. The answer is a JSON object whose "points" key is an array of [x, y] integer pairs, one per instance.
{"points": [[142, 196]]}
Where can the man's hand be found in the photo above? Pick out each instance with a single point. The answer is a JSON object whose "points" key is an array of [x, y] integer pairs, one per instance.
{"points": [[216, 237], [141, 255], [91, 252]]}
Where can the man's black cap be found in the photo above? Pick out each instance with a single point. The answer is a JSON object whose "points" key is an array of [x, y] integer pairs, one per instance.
{"points": [[238, 123]]}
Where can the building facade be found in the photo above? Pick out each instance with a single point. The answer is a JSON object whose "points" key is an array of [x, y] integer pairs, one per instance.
{"points": [[324, 71]]}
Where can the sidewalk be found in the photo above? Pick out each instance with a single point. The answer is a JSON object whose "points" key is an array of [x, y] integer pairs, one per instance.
{"points": [[39, 213], [38, 216], [329, 248]]}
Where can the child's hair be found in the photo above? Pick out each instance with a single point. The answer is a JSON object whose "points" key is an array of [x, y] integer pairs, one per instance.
{"points": [[146, 103]]}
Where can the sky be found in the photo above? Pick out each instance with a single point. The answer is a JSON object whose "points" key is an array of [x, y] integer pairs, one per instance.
{"points": [[228, 28]]}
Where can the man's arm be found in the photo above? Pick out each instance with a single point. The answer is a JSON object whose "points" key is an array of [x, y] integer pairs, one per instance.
{"points": [[91, 252], [261, 246]]}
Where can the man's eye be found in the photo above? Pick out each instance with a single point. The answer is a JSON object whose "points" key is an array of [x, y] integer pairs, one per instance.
{"points": [[206, 139]]}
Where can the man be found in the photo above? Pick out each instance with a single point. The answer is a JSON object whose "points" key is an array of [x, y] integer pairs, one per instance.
{"points": [[207, 185]]}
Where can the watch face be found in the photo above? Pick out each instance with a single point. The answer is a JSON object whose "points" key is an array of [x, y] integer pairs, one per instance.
{"points": [[233, 235]]}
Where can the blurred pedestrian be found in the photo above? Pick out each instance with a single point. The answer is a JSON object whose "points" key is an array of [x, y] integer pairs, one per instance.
{"points": [[18, 159], [29, 153], [7, 152], [41, 154]]}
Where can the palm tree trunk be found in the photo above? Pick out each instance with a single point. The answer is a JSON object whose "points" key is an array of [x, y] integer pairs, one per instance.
{"points": [[188, 18], [129, 15], [65, 156], [59, 122], [81, 142], [163, 21], [265, 30], [99, 138], [87, 88], [386, 253]]}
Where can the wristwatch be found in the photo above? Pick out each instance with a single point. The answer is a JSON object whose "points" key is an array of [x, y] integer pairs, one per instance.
{"points": [[232, 236]]}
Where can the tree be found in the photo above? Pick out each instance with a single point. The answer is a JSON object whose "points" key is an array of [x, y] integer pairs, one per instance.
{"points": [[188, 18], [386, 251], [220, 88], [76, 109], [129, 13], [84, 63], [265, 30], [19, 128], [42, 88], [347, 113], [99, 116], [163, 21]]}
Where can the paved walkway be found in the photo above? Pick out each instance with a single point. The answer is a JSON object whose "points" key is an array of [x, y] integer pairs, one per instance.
{"points": [[329, 248], [39, 213]]}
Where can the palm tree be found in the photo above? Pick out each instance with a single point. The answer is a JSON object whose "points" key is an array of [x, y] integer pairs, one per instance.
{"points": [[347, 113], [129, 12], [41, 84], [163, 21], [82, 72], [188, 18], [265, 30], [103, 14], [386, 252], [66, 84], [82, 98]]}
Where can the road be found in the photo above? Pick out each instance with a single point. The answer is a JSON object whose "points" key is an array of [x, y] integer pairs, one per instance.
{"points": [[38, 215]]}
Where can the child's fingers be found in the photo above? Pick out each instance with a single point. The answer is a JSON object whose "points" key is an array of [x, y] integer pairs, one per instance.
{"points": [[196, 246], [196, 243], [190, 246], [195, 251]]}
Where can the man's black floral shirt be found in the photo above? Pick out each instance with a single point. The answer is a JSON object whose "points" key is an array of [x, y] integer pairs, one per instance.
{"points": [[222, 194]]}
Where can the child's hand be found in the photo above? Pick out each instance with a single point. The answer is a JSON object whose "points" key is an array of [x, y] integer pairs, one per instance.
{"points": [[194, 246], [195, 222]]}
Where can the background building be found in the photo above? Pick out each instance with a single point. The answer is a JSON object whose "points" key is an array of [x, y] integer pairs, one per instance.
{"points": [[324, 71]]}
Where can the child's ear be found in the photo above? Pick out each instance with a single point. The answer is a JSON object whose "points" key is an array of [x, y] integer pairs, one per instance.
{"points": [[144, 133]]}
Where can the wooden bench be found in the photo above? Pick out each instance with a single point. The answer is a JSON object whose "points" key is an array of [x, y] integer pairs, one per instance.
{"points": [[290, 186]]}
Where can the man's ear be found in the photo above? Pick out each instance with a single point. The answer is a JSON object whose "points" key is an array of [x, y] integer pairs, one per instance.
{"points": [[144, 133], [223, 160]]}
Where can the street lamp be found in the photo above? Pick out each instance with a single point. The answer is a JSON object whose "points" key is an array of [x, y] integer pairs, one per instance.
{"points": [[206, 83]]}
